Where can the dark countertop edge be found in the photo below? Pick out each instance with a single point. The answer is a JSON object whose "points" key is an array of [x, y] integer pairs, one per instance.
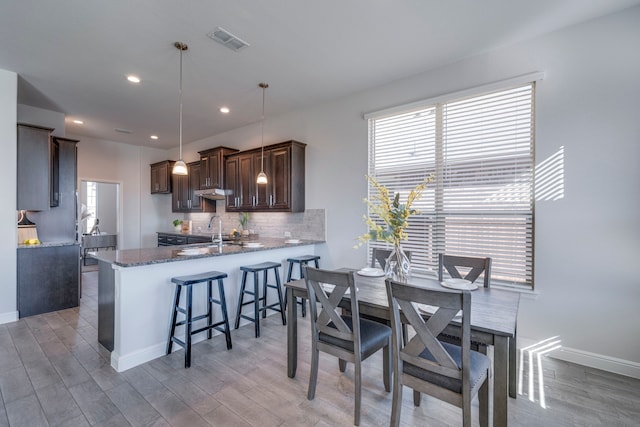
{"points": [[47, 245], [108, 256]]}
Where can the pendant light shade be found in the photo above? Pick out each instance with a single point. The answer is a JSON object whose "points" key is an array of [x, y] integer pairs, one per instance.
{"points": [[262, 177], [180, 168]]}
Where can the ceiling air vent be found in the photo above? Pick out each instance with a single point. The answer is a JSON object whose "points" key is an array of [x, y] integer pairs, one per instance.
{"points": [[229, 40], [121, 130]]}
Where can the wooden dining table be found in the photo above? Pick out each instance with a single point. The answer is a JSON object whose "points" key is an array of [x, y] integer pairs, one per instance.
{"points": [[494, 315]]}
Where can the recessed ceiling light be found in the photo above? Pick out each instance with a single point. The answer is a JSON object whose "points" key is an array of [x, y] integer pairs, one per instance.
{"points": [[224, 110], [78, 122], [154, 136], [133, 79]]}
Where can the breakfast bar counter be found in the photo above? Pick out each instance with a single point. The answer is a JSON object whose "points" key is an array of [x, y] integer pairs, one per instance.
{"points": [[135, 290]]}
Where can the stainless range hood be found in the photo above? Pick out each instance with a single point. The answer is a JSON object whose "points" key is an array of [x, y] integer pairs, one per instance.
{"points": [[213, 193]]}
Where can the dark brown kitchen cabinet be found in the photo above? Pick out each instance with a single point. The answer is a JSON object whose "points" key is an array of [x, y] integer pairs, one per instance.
{"points": [[183, 197], [54, 169], [48, 279], [232, 182], [161, 177], [284, 165], [34, 168], [240, 178], [212, 167]]}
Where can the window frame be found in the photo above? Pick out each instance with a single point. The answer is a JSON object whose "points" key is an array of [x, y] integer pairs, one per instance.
{"points": [[528, 247]]}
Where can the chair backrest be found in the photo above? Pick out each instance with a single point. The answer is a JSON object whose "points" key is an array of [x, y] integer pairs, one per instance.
{"points": [[446, 304], [381, 255], [328, 288], [477, 267]]}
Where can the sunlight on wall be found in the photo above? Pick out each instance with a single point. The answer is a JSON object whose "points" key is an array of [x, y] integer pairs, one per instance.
{"points": [[549, 184], [534, 355]]}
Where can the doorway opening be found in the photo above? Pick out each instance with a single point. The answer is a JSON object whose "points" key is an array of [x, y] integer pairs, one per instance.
{"points": [[99, 217]]}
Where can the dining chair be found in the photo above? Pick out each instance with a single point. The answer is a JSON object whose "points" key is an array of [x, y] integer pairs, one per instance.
{"points": [[349, 338], [477, 267], [452, 373], [380, 255]]}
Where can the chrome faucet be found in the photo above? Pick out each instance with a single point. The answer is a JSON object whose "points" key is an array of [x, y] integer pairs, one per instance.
{"points": [[210, 226]]}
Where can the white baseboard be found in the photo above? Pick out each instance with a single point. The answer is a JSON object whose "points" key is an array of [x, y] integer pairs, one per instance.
{"points": [[8, 317], [123, 362], [598, 361]]}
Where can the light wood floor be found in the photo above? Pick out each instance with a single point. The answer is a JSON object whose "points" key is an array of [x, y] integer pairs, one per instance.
{"points": [[54, 372]]}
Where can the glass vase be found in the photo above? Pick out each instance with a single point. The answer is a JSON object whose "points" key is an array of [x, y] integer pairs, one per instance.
{"points": [[398, 265]]}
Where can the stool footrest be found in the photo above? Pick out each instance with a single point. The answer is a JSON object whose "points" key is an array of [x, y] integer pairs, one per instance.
{"points": [[206, 328], [179, 342]]}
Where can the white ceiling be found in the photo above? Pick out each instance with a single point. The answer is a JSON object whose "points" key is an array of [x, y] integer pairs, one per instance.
{"points": [[72, 56]]}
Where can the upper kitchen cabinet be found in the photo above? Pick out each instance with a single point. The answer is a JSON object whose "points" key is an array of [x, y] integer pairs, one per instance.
{"points": [[284, 164], [34, 168], [161, 177], [212, 167], [183, 197]]}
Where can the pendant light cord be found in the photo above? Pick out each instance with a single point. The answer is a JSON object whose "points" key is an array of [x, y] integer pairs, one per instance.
{"points": [[264, 88], [180, 103]]}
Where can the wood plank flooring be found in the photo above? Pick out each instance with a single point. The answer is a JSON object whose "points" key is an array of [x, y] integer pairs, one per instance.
{"points": [[53, 372]]}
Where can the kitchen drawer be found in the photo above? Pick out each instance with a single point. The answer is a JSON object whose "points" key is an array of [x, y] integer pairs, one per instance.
{"points": [[198, 239], [176, 240]]}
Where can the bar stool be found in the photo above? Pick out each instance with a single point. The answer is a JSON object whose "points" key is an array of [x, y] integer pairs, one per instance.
{"points": [[277, 306], [188, 282], [301, 261]]}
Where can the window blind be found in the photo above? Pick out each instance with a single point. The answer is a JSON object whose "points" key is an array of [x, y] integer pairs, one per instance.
{"points": [[480, 150]]}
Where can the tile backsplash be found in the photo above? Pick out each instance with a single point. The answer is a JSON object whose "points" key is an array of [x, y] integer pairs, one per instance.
{"points": [[307, 225]]}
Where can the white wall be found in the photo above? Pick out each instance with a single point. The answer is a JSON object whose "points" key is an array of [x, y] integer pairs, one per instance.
{"points": [[8, 219], [41, 117], [141, 213], [587, 244], [107, 207]]}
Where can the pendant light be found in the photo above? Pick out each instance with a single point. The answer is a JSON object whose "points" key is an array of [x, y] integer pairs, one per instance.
{"points": [[180, 168], [262, 177]]}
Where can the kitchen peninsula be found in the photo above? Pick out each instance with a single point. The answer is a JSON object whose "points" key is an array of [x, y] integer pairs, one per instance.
{"points": [[135, 290]]}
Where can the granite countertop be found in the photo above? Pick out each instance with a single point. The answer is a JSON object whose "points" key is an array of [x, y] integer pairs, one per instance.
{"points": [[162, 254], [47, 244]]}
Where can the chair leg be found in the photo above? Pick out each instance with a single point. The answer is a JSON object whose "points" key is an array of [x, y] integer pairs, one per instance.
{"points": [[386, 367], [176, 301], [187, 338], [416, 398], [483, 401], [225, 315], [240, 299], [313, 373], [256, 304], [396, 404], [358, 392], [280, 300], [265, 275], [303, 302], [209, 308], [342, 365]]}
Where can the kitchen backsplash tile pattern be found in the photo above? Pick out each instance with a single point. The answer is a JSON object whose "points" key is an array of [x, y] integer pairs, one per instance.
{"points": [[307, 225]]}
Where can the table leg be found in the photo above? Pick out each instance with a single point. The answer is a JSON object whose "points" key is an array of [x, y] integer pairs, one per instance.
{"points": [[513, 373], [500, 380], [292, 335]]}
